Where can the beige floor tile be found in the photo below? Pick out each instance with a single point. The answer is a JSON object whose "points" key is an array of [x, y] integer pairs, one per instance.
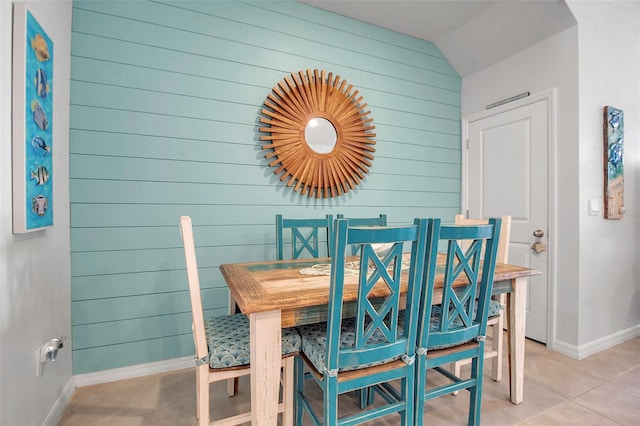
{"points": [[618, 404], [498, 418], [537, 399], [447, 410], [110, 418], [629, 380], [631, 344], [569, 413], [140, 393], [531, 347], [558, 377], [454, 410]]}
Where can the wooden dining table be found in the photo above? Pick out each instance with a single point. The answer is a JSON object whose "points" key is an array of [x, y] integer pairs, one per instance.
{"points": [[277, 294]]}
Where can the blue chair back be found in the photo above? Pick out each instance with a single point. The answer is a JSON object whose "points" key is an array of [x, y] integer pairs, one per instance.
{"points": [[454, 311], [363, 221], [376, 334], [307, 237], [457, 318]]}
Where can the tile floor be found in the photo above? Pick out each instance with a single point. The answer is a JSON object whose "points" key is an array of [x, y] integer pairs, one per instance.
{"points": [[603, 389]]}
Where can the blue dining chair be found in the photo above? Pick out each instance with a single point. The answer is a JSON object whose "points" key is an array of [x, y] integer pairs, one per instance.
{"points": [[453, 318], [306, 237], [381, 220], [363, 221], [346, 354], [222, 346]]}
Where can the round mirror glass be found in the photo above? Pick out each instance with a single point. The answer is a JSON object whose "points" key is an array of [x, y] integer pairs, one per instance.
{"points": [[320, 135]]}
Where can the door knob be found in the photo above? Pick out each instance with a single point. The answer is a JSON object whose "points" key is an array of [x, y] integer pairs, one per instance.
{"points": [[539, 247]]}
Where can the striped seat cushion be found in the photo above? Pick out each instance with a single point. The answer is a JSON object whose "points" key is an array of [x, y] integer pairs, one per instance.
{"points": [[228, 340]]}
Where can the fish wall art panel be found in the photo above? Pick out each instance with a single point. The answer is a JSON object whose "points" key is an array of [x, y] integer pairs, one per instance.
{"points": [[613, 163], [32, 123]]}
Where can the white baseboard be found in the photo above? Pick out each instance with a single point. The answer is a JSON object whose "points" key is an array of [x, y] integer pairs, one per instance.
{"points": [[130, 372], [599, 345], [55, 414]]}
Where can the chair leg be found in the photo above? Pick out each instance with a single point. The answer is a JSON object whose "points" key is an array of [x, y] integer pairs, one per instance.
{"points": [[299, 389], [475, 396], [330, 401], [421, 386], [202, 395], [366, 397], [456, 367], [409, 391], [288, 390], [497, 343], [232, 384]]}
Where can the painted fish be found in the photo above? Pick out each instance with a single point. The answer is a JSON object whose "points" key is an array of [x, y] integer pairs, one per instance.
{"points": [[616, 152], [40, 48], [39, 116], [40, 174], [39, 204], [40, 81], [40, 146], [614, 121]]}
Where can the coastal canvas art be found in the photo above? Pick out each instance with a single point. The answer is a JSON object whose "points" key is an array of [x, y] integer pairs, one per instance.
{"points": [[613, 163], [32, 123]]}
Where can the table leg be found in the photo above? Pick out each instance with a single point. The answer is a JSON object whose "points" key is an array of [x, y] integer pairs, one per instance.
{"points": [[517, 307], [266, 355]]}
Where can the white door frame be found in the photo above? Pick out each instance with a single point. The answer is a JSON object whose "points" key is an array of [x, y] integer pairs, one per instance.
{"points": [[550, 97]]}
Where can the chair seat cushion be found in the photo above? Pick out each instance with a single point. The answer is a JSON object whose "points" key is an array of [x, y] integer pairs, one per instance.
{"points": [[228, 340], [494, 310], [314, 344]]}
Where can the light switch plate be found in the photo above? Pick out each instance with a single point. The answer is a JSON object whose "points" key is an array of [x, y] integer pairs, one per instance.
{"points": [[594, 207]]}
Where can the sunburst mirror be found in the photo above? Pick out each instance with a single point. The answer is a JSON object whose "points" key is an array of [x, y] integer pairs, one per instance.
{"points": [[320, 136]]}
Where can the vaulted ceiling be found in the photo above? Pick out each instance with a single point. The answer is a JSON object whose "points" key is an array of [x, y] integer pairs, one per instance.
{"points": [[472, 34]]}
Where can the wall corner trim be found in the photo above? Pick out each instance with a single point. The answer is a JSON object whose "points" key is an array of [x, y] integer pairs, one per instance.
{"points": [[55, 414]]}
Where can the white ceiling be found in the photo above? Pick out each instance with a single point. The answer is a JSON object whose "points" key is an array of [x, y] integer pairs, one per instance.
{"points": [[472, 34]]}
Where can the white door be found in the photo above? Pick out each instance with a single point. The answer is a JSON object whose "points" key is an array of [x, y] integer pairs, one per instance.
{"points": [[507, 174]]}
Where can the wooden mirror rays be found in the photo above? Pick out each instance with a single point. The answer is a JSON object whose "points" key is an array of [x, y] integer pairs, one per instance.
{"points": [[318, 168]]}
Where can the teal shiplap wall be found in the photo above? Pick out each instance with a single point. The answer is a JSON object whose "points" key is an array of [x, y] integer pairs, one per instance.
{"points": [[165, 102]]}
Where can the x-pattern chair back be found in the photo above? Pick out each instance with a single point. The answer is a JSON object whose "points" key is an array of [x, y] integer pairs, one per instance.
{"points": [[465, 279], [380, 316], [305, 236], [376, 333], [459, 302], [301, 242]]}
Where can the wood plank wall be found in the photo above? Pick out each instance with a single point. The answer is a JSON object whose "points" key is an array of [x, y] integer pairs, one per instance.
{"points": [[165, 98]]}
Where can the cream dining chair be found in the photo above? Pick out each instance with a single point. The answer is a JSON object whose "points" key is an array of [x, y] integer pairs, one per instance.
{"points": [[222, 346], [496, 322]]}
